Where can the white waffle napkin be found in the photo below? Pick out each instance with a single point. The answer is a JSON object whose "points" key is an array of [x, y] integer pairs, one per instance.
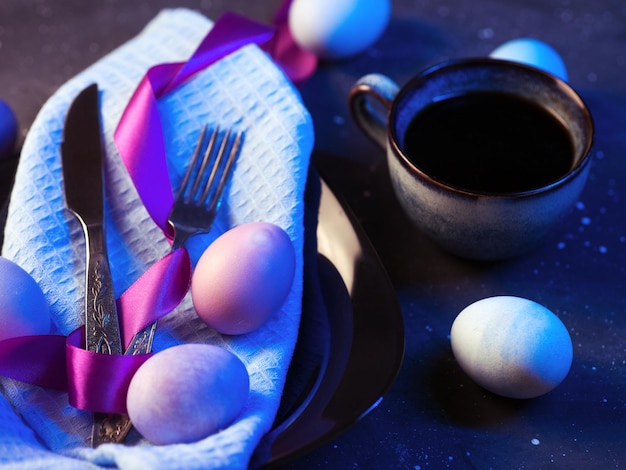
{"points": [[245, 90]]}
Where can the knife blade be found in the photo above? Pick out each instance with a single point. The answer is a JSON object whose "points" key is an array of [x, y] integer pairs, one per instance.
{"points": [[82, 160]]}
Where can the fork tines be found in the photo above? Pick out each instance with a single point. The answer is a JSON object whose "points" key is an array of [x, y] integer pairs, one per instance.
{"points": [[219, 155]]}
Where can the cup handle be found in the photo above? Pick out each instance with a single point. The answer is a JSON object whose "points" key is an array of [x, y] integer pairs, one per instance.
{"points": [[372, 121]]}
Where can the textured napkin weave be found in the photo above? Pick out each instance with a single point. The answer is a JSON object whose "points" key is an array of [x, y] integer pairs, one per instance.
{"points": [[243, 91]]}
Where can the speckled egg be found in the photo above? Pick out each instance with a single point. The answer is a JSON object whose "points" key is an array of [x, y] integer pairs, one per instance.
{"points": [[243, 277], [533, 52], [186, 393], [512, 346], [24, 309]]}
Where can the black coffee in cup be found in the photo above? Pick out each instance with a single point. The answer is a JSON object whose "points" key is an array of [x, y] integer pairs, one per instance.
{"points": [[489, 142], [485, 156]]}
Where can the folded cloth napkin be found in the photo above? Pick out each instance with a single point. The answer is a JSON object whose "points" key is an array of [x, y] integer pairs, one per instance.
{"points": [[244, 91]]}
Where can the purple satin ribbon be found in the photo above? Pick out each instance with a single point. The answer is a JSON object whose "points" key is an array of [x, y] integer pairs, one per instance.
{"points": [[145, 157], [99, 382]]}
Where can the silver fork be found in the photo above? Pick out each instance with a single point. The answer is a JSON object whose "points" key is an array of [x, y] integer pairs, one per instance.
{"points": [[194, 211], [197, 201]]}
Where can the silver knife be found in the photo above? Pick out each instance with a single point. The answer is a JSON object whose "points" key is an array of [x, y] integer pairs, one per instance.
{"points": [[82, 158]]}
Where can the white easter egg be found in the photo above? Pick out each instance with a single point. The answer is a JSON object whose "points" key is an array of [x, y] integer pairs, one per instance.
{"points": [[533, 52], [336, 29], [512, 346]]}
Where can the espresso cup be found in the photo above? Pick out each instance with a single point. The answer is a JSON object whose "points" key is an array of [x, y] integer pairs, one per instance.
{"points": [[485, 156]]}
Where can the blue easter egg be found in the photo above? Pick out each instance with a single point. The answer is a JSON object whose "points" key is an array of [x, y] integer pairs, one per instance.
{"points": [[532, 52], [8, 130]]}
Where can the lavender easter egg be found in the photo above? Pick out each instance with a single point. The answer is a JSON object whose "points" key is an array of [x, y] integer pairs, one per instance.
{"points": [[24, 309], [186, 393], [533, 52]]}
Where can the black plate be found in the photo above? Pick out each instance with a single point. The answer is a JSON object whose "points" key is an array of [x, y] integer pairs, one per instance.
{"points": [[351, 341]]}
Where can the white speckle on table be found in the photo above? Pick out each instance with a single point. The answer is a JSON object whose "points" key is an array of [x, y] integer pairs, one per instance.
{"points": [[44, 11], [585, 221], [339, 120], [374, 53], [535, 441], [566, 16], [486, 33], [613, 194]]}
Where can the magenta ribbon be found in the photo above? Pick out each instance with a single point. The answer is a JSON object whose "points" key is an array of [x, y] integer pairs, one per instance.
{"points": [[99, 382]]}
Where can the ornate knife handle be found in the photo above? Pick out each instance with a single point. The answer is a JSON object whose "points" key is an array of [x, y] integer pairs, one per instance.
{"points": [[102, 334], [114, 428], [102, 331]]}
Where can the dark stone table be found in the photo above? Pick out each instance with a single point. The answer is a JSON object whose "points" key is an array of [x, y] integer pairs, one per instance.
{"points": [[434, 416]]}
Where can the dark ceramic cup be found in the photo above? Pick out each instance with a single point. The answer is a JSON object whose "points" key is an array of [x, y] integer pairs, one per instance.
{"points": [[478, 218]]}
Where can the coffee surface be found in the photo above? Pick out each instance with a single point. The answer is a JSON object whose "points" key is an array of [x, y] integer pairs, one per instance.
{"points": [[489, 142]]}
